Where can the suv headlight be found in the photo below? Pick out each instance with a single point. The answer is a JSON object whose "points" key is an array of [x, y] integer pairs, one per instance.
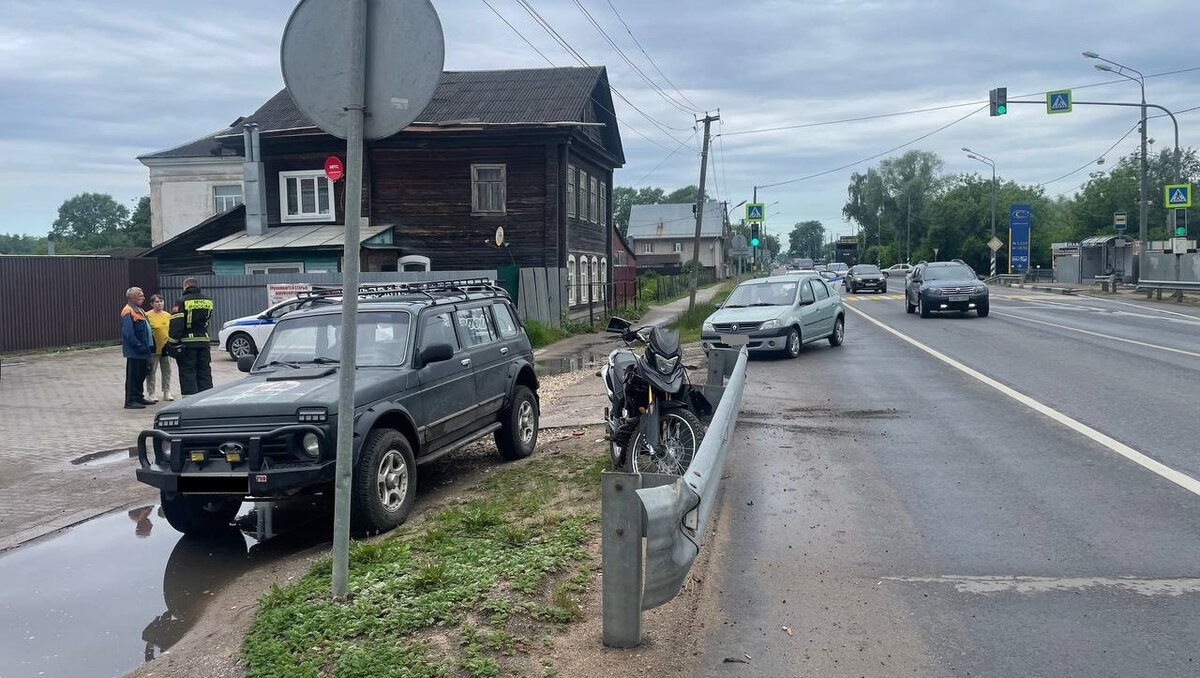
{"points": [[312, 415], [770, 324], [981, 288], [167, 421], [312, 445], [935, 290]]}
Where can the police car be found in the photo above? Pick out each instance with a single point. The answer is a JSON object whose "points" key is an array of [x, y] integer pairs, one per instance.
{"points": [[245, 336]]}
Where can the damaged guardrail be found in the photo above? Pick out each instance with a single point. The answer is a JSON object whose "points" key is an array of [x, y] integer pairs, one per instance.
{"points": [[669, 512]]}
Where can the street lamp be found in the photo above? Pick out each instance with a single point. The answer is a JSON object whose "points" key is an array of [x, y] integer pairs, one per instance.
{"points": [[1107, 67], [975, 155]]}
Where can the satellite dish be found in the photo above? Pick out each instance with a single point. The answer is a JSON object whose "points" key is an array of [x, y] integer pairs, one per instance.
{"points": [[499, 236]]}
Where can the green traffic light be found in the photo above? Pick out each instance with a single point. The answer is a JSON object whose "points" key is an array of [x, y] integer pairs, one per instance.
{"points": [[1001, 110], [1181, 231], [754, 242]]}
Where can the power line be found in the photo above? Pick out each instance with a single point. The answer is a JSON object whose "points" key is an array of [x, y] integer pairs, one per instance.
{"points": [[877, 155], [646, 78], [664, 160], [549, 61], [652, 62], [1092, 162]]}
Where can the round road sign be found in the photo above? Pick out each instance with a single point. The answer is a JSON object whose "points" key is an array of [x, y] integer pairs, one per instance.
{"points": [[405, 51], [333, 168]]}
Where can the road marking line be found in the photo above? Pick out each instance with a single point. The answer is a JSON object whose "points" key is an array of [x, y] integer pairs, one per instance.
{"points": [[985, 585], [1141, 306], [1181, 479], [1097, 334]]}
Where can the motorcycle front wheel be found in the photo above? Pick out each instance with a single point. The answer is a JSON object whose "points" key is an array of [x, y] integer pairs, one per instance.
{"points": [[679, 436]]}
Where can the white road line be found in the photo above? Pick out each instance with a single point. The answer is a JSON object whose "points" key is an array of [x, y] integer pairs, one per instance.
{"points": [[1142, 306], [1097, 334], [1181, 479], [986, 585]]}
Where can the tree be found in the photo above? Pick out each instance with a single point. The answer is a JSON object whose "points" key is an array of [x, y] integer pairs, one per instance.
{"points": [[687, 194], [90, 222], [625, 197], [137, 231], [19, 243], [806, 240]]}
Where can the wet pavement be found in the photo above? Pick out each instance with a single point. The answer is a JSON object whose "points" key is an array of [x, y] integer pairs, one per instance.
{"points": [[570, 363], [96, 600]]}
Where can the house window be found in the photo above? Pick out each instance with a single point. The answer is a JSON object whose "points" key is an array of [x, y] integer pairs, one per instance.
{"points": [[571, 280], [275, 267], [603, 279], [583, 280], [647, 248], [619, 259], [678, 247], [603, 216], [306, 196], [570, 190], [583, 196], [487, 189], [594, 193], [226, 198]]}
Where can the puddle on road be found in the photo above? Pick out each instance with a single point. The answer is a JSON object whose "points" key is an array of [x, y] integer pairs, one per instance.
{"points": [[102, 597], [564, 364]]}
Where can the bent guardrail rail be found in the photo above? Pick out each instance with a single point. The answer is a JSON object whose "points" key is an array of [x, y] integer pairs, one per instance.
{"points": [[669, 512]]}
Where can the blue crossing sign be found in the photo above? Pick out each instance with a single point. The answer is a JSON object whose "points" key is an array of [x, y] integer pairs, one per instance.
{"points": [[754, 211], [1177, 195], [1058, 101]]}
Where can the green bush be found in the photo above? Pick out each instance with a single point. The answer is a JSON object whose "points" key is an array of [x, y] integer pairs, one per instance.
{"points": [[543, 335]]}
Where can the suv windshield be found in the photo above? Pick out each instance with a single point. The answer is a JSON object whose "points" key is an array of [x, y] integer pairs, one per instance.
{"points": [[382, 340], [866, 268], [762, 294], [957, 272]]}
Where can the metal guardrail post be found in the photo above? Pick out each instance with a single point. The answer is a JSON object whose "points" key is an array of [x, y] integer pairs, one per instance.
{"points": [[621, 559]]}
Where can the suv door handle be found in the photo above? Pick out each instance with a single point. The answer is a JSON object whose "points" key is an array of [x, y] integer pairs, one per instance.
{"points": [[465, 362], [504, 350]]}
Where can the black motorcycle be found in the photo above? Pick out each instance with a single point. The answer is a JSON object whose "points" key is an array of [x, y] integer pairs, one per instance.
{"points": [[654, 412]]}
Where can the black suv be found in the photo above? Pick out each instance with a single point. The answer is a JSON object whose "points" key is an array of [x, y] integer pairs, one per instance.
{"points": [[439, 365], [864, 277], [939, 286]]}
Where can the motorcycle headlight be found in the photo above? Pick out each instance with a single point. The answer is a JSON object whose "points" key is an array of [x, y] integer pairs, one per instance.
{"points": [[666, 365], [312, 445], [770, 324], [707, 327]]}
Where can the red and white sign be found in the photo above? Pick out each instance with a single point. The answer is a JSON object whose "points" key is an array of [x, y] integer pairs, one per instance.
{"points": [[333, 168], [277, 292]]}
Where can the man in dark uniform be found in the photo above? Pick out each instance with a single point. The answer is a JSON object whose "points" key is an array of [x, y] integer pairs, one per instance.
{"points": [[189, 339]]}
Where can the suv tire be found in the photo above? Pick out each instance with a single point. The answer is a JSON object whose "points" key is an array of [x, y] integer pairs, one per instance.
{"points": [[983, 309], [518, 430], [839, 332], [908, 308], [385, 482], [198, 514], [922, 307]]}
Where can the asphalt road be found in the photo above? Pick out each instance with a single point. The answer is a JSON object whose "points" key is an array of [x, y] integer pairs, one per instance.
{"points": [[1032, 510]]}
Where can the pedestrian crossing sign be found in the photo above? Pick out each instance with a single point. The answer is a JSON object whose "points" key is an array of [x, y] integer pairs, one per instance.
{"points": [[1177, 195], [1059, 101], [754, 211]]}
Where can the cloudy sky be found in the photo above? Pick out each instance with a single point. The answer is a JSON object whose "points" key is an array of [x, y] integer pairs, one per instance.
{"points": [[85, 87]]}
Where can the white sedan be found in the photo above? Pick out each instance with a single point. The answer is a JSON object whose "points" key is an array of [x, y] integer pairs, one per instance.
{"points": [[898, 270], [246, 336]]}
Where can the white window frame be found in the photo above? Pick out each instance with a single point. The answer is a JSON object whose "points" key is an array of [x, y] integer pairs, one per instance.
{"points": [[318, 175], [603, 216], [476, 208], [647, 248], [582, 194], [584, 283], [224, 203], [593, 194], [603, 278], [571, 280], [266, 267], [596, 294], [678, 248], [571, 172]]}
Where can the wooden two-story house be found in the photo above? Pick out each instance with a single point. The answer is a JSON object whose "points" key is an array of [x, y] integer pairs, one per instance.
{"points": [[532, 151]]}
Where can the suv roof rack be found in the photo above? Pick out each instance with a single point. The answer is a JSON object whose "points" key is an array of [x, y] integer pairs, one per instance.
{"points": [[464, 288]]}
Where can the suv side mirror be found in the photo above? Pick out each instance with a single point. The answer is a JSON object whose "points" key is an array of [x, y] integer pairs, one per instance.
{"points": [[436, 353], [246, 362]]}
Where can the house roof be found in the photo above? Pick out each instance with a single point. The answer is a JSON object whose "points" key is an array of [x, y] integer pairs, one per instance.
{"points": [[205, 146], [289, 237], [533, 96], [674, 221]]}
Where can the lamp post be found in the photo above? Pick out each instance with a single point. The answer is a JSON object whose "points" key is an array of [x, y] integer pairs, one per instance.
{"points": [[975, 155], [1107, 66]]}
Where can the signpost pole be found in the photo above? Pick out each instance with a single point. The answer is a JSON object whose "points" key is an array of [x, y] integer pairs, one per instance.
{"points": [[356, 77]]}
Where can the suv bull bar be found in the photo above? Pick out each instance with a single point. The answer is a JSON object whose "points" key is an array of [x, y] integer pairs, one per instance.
{"points": [[253, 456]]}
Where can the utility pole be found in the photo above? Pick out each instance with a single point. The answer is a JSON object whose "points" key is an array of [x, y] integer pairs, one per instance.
{"points": [[908, 234], [708, 120]]}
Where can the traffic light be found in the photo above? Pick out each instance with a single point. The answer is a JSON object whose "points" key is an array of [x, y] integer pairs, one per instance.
{"points": [[998, 101], [754, 235], [1180, 223]]}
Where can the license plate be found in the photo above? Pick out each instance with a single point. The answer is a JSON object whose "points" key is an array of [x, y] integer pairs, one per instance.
{"points": [[959, 297], [206, 483], [734, 339]]}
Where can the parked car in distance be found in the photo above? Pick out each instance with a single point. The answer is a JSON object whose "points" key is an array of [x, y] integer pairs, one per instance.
{"points": [[805, 264], [439, 365], [898, 270], [942, 286], [246, 336], [777, 314], [865, 277]]}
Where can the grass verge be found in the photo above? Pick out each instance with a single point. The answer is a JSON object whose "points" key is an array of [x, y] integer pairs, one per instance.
{"points": [[690, 322], [475, 590]]}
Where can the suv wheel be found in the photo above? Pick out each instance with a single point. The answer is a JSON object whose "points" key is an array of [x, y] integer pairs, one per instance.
{"points": [[908, 308], [983, 309], [792, 348], [839, 332], [518, 431], [924, 310], [199, 514], [385, 482], [241, 344]]}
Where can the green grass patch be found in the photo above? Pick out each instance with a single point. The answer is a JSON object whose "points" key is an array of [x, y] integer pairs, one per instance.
{"points": [[468, 592], [689, 323]]}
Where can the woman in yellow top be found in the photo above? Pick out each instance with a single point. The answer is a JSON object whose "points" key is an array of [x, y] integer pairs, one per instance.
{"points": [[160, 323]]}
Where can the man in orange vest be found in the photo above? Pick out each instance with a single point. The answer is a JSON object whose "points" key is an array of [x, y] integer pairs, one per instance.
{"points": [[136, 345]]}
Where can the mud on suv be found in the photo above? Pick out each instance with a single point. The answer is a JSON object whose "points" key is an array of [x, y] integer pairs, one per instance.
{"points": [[439, 365]]}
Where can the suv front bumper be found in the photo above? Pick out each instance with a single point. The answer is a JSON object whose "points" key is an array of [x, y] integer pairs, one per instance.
{"points": [[947, 303], [253, 476]]}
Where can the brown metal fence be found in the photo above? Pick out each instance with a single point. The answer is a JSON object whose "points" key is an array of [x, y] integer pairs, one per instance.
{"points": [[47, 302]]}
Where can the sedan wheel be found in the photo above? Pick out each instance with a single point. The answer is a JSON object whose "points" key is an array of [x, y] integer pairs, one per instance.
{"points": [[241, 345], [793, 343]]}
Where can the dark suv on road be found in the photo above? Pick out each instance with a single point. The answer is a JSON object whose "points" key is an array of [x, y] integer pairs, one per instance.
{"points": [[938, 286], [864, 277], [439, 365]]}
